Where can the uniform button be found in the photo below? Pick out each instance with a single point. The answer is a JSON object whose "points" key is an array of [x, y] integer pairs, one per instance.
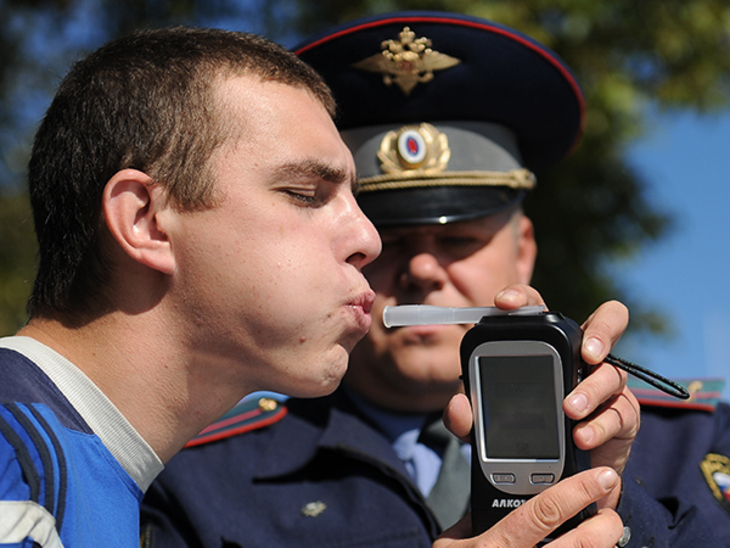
{"points": [[625, 538], [268, 404], [313, 509]]}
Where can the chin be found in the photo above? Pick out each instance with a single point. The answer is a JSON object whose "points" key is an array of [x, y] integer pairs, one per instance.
{"points": [[315, 391], [323, 383]]}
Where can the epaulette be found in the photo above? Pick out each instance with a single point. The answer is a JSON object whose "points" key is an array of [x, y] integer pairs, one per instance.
{"points": [[249, 414], [704, 394]]}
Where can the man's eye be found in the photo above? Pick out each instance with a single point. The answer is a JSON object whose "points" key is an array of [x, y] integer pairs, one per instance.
{"points": [[306, 197]]}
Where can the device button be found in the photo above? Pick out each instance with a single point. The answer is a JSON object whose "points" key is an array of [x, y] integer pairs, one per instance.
{"points": [[503, 478], [542, 478]]}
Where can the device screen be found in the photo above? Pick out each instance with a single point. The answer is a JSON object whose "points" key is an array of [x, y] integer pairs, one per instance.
{"points": [[518, 395]]}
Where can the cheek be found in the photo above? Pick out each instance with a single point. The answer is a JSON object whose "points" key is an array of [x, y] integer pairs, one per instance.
{"points": [[288, 254], [484, 274], [289, 287]]}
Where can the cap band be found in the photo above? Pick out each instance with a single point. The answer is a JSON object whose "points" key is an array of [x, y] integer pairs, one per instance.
{"points": [[518, 179]]}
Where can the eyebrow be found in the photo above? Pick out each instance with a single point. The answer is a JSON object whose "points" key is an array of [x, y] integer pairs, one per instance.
{"points": [[316, 168]]}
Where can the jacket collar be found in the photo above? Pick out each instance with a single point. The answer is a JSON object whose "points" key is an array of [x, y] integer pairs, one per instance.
{"points": [[332, 423]]}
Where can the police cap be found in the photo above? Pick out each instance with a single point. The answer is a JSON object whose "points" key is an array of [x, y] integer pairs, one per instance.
{"points": [[447, 116]]}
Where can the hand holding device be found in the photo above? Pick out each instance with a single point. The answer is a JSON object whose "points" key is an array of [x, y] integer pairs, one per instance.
{"points": [[529, 345]]}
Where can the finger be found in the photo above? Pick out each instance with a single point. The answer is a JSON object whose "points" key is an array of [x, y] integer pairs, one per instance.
{"points": [[542, 514], [517, 295], [602, 330], [458, 417], [610, 435], [603, 384], [460, 530], [619, 419], [601, 531]]}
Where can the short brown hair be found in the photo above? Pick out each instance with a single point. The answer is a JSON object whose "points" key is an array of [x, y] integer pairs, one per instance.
{"points": [[143, 102]]}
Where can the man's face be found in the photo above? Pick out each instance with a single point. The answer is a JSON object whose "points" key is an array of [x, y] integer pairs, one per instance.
{"points": [[462, 264], [269, 279]]}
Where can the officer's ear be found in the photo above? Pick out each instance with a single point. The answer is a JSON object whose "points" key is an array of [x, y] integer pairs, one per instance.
{"points": [[526, 249], [135, 210]]}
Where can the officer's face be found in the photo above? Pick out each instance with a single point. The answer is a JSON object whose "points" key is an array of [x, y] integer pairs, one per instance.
{"points": [[417, 368], [270, 278]]}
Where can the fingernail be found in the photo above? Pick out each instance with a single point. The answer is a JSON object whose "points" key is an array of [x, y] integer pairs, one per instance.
{"points": [[579, 402], [593, 347], [508, 295], [608, 479]]}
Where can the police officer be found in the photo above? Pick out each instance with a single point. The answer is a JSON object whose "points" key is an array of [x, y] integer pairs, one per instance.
{"points": [[448, 117]]}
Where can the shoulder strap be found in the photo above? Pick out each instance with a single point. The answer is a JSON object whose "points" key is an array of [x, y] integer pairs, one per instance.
{"points": [[705, 394], [250, 414]]}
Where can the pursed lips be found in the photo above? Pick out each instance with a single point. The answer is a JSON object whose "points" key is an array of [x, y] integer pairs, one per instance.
{"points": [[362, 305]]}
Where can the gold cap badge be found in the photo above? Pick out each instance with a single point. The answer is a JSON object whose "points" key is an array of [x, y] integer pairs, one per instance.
{"points": [[407, 61], [414, 149]]}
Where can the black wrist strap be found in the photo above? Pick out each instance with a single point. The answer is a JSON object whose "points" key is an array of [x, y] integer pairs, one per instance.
{"points": [[649, 376]]}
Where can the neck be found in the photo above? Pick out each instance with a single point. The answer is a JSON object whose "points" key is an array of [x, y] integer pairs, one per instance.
{"points": [[141, 365]]}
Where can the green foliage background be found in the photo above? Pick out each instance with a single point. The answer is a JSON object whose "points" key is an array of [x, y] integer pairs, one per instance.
{"points": [[590, 212]]}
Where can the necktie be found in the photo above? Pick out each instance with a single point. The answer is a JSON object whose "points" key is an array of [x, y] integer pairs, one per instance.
{"points": [[449, 498]]}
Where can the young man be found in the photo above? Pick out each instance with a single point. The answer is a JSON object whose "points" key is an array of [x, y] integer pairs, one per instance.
{"points": [[445, 191], [199, 240]]}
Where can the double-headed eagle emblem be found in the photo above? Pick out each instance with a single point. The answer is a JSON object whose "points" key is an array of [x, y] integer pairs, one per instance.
{"points": [[407, 61]]}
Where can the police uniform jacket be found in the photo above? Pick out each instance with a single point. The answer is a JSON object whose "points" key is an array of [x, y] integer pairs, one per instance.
{"points": [[677, 480], [323, 476]]}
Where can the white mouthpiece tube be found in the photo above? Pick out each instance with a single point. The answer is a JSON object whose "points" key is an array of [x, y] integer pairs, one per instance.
{"points": [[421, 314]]}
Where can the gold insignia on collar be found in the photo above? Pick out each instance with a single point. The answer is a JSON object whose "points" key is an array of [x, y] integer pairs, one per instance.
{"points": [[693, 388], [414, 150], [407, 61]]}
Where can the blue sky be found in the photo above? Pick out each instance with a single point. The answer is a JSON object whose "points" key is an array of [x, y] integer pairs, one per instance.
{"points": [[686, 164]]}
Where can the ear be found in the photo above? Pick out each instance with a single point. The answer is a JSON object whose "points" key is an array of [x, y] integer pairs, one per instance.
{"points": [[526, 250], [134, 207]]}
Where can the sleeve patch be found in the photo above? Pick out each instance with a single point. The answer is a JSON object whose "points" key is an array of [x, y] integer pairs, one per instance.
{"points": [[716, 469]]}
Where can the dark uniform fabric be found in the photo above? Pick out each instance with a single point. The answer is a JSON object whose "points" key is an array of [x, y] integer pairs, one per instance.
{"points": [[666, 463], [322, 476]]}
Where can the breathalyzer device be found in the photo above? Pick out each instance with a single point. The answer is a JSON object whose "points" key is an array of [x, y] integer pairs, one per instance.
{"points": [[517, 369]]}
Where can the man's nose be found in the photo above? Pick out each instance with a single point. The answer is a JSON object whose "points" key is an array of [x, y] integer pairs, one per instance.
{"points": [[367, 240]]}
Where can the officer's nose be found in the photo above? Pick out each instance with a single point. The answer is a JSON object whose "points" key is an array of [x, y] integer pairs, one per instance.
{"points": [[423, 272]]}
